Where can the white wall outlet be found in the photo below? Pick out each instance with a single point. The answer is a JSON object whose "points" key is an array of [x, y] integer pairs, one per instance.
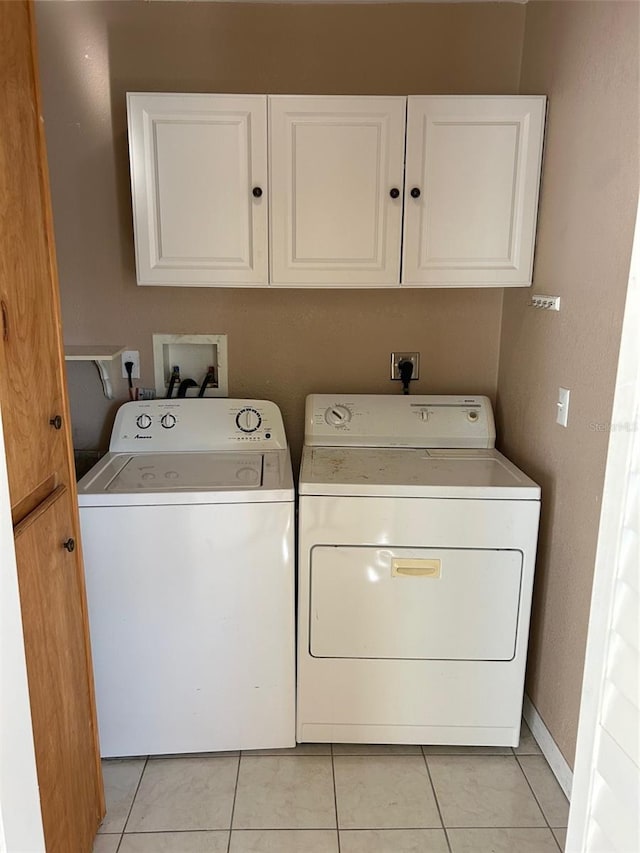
{"points": [[397, 357], [134, 356], [563, 406]]}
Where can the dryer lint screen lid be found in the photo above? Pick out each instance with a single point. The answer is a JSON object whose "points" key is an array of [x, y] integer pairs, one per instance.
{"points": [[175, 472]]}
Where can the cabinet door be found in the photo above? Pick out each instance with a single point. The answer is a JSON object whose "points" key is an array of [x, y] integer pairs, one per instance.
{"points": [[473, 164], [39, 460], [51, 593], [199, 181], [334, 162], [31, 385]]}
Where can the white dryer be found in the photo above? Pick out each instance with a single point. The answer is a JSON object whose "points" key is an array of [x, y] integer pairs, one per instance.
{"points": [[188, 535], [417, 543]]}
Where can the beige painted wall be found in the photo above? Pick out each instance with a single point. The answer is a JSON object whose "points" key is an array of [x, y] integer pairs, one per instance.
{"points": [[585, 57], [282, 344], [285, 344]]}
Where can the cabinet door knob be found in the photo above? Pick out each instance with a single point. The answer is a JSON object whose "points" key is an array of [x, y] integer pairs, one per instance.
{"points": [[257, 192], [394, 192], [70, 545], [56, 422], [415, 192]]}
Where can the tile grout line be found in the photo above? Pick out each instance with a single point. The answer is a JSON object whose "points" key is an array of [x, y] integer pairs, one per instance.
{"points": [[553, 835], [335, 795], [542, 811], [435, 797], [281, 829], [233, 805], [560, 848], [475, 828], [124, 828], [538, 803]]}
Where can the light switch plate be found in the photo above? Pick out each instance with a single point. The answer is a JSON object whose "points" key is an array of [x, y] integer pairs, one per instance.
{"points": [[563, 406]]}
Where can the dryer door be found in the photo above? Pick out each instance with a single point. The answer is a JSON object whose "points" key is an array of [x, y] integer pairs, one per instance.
{"points": [[414, 603]]}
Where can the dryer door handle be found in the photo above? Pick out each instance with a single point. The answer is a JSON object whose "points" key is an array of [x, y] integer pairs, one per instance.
{"points": [[412, 568]]}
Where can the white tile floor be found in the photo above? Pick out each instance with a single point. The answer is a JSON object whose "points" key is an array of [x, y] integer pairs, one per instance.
{"points": [[320, 798]]}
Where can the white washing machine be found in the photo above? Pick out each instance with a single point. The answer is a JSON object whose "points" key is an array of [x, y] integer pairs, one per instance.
{"points": [[417, 543], [188, 536]]}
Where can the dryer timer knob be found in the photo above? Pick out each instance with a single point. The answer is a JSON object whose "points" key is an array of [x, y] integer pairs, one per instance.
{"points": [[337, 416]]}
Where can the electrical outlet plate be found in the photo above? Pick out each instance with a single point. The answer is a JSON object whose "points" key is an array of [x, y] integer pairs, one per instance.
{"points": [[134, 356], [397, 357]]}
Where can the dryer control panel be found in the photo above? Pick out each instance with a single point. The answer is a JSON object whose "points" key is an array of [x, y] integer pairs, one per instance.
{"points": [[205, 424], [372, 420]]}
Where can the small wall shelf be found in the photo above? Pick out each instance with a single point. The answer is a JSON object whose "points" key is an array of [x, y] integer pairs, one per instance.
{"points": [[100, 356]]}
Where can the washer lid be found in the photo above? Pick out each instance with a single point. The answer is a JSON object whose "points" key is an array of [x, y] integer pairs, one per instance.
{"points": [[175, 472], [123, 479], [410, 472]]}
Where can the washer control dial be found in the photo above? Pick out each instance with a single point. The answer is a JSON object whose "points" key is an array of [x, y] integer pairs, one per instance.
{"points": [[143, 421], [473, 416], [248, 419], [168, 421], [337, 416]]}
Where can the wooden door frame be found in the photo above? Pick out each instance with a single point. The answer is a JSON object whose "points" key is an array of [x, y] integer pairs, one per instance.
{"points": [[20, 816]]}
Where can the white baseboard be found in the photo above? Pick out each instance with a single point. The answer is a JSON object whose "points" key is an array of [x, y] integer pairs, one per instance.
{"points": [[555, 759]]}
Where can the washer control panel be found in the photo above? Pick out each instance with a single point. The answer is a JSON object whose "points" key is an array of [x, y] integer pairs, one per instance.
{"points": [[209, 423], [371, 420]]}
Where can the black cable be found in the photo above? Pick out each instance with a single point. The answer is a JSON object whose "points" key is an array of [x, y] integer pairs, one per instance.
{"points": [[208, 379], [185, 385], [175, 377], [128, 366], [406, 372]]}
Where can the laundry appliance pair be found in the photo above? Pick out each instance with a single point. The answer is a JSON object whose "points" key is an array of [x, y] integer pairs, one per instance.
{"points": [[416, 548]]}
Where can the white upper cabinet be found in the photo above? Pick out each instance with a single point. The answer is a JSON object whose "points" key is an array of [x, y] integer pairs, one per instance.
{"points": [[471, 190], [333, 204], [199, 181], [336, 169]]}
